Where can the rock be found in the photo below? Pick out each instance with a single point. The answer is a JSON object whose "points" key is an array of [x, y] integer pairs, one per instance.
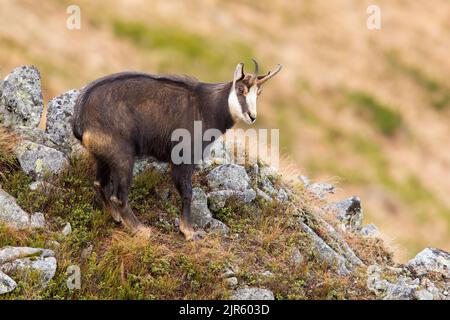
{"points": [[87, 252], [349, 212], [267, 274], [218, 153], [321, 190], [304, 180], [296, 257], [36, 159], [398, 284], [13, 259], [201, 215], [67, 230], [150, 163], [228, 177], [22, 97], [53, 245], [37, 220], [263, 195], [264, 181], [252, 294], [431, 260], [338, 244], [11, 213], [282, 195], [267, 172], [6, 283], [45, 266], [231, 282], [217, 226], [370, 230], [59, 121], [424, 295], [217, 199], [326, 253], [402, 288], [8, 254]]}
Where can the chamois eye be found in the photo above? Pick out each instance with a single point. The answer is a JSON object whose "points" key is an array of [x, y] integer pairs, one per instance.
{"points": [[241, 90]]}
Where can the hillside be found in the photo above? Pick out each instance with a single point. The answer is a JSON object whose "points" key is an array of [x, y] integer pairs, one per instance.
{"points": [[378, 101], [266, 236]]}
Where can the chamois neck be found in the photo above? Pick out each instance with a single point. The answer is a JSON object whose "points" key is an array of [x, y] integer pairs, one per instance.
{"points": [[214, 109]]}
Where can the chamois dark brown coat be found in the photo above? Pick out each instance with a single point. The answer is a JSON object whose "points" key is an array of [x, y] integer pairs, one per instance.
{"points": [[123, 116]]}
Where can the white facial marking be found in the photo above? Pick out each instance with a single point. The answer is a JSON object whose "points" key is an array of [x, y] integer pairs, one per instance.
{"points": [[251, 100], [234, 105]]}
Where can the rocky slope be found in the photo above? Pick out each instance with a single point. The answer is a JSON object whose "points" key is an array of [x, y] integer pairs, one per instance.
{"points": [[266, 238]]}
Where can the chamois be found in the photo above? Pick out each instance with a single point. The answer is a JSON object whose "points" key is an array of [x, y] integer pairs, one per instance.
{"points": [[127, 115]]}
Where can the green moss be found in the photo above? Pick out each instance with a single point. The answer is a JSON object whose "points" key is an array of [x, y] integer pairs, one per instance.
{"points": [[384, 117]]}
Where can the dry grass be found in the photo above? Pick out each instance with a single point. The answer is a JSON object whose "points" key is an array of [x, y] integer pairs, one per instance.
{"points": [[326, 51]]}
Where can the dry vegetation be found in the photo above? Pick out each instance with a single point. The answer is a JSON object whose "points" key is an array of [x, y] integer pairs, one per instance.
{"points": [[262, 238], [368, 108]]}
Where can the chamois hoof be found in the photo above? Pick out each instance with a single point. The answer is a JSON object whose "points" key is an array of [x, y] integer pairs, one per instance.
{"points": [[116, 201], [115, 215]]}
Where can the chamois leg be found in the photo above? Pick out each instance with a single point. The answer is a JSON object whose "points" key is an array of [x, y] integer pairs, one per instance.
{"points": [[102, 182], [122, 177], [182, 178]]}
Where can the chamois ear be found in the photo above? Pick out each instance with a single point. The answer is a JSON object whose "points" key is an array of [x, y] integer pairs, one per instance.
{"points": [[238, 73]]}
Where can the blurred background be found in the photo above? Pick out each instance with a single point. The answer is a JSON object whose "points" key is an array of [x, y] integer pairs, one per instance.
{"points": [[368, 110]]}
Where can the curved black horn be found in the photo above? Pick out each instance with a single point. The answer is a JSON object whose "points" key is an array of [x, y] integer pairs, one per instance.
{"points": [[255, 74], [269, 75]]}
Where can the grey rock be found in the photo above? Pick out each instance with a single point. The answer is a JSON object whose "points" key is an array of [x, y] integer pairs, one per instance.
{"points": [[59, 121], [216, 153], [201, 215], [252, 294], [45, 266], [266, 274], [339, 244], [87, 252], [282, 195], [6, 283], [304, 180], [199, 208], [424, 295], [143, 164], [296, 257], [228, 177], [370, 230], [321, 190], [326, 253], [231, 282], [217, 199], [22, 97], [267, 172], [403, 288], [431, 260], [37, 220], [11, 213], [53, 245], [263, 195], [36, 159], [10, 254], [67, 230], [349, 213]]}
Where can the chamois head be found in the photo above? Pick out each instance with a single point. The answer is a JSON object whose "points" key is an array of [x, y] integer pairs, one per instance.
{"points": [[245, 91]]}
